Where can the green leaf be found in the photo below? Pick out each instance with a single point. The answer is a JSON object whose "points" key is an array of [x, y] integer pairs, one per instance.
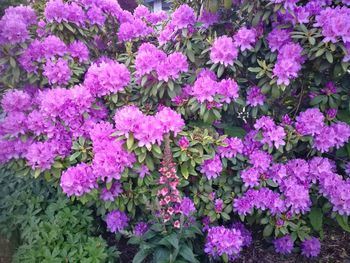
{"points": [[220, 71], [130, 142], [190, 55], [37, 172], [184, 170], [188, 254], [329, 57], [12, 62], [140, 256], [173, 240], [235, 131], [143, 80], [74, 156], [268, 230], [317, 100], [316, 218], [343, 222]]}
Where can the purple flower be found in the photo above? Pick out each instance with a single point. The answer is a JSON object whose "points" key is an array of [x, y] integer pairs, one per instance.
{"points": [[228, 89], [112, 193], [233, 147], [57, 72], [106, 78], [147, 59], [183, 17], [223, 51], [116, 221], [311, 247], [221, 240], [288, 63], [255, 97], [247, 236], [187, 206], [212, 168], [79, 50], [41, 155], [333, 22], [260, 160], [286, 120], [172, 66], [331, 113], [250, 177], [208, 18], [218, 205], [127, 119], [298, 198], [96, 16], [133, 29], [183, 143], [245, 38], [329, 88], [284, 245], [325, 139], [170, 120], [143, 171], [149, 131], [204, 89], [16, 100], [78, 180], [13, 29], [347, 168], [278, 38], [310, 122], [140, 229]]}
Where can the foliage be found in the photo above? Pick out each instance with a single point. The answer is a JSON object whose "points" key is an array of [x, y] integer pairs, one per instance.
{"points": [[51, 229], [241, 107]]}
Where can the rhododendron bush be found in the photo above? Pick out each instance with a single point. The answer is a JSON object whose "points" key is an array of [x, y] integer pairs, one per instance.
{"points": [[185, 129]]}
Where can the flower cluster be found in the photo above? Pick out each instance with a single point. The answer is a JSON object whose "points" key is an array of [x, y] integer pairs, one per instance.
{"points": [[78, 180], [147, 130], [272, 134], [233, 147], [284, 245], [255, 96], [140, 229], [263, 199], [110, 194], [333, 22], [110, 157], [150, 59], [169, 196], [14, 25], [52, 52], [49, 118], [207, 89], [182, 18], [57, 72], [311, 247], [221, 240], [245, 38], [311, 122], [288, 63], [106, 78], [212, 168], [224, 51], [277, 38], [116, 221]]}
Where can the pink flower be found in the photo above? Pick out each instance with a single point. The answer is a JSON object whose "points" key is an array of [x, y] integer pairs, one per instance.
{"points": [[245, 38], [223, 51]]}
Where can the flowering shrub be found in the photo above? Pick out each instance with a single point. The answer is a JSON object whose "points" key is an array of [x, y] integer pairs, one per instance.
{"points": [[162, 121]]}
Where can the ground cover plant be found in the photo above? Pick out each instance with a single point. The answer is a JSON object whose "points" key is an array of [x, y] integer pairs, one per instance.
{"points": [[182, 130]]}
